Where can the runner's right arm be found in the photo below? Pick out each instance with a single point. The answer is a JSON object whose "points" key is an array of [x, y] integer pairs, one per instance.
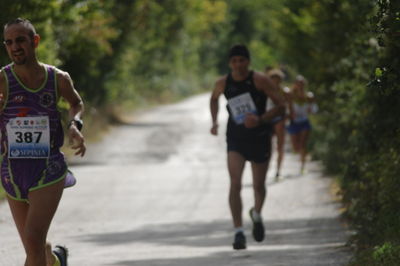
{"points": [[214, 105]]}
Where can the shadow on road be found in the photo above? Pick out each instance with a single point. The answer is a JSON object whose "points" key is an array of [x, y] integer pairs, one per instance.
{"points": [[141, 124], [286, 257], [290, 242]]}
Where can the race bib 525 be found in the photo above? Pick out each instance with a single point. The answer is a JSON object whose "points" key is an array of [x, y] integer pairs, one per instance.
{"points": [[240, 106]]}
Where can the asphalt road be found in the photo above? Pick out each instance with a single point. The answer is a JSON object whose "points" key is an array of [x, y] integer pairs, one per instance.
{"points": [[154, 192]]}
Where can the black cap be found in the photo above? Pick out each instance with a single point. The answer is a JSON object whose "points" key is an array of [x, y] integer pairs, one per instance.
{"points": [[239, 50]]}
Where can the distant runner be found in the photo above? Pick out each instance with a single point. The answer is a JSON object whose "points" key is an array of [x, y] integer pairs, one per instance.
{"points": [[33, 170], [277, 76], [248, 134], [302, 104]]}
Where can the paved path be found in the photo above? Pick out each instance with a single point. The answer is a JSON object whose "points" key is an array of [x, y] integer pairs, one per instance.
{"points": [[154, 192]]}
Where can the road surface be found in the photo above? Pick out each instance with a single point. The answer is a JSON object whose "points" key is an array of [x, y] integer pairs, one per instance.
{"points": [[154, 192]]}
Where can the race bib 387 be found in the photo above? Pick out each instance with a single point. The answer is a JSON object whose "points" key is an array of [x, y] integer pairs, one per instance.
{"points": [[28, 137]]}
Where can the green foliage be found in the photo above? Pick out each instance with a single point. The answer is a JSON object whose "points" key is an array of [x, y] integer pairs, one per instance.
{"points": [[378, 156], [129, 51], [160, 60], [134, 52], [386, 254], [349, 52], [253, 23]]}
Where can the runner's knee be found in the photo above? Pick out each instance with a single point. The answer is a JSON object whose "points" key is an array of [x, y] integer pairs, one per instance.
{"points": [[236, 185], [259, 188]]}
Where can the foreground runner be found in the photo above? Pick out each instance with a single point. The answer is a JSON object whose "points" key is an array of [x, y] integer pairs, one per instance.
{"points": [[33, 170], [248, 134]]}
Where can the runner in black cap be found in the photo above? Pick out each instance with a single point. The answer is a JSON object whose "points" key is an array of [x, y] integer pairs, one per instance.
{"points": [[248, 134]]}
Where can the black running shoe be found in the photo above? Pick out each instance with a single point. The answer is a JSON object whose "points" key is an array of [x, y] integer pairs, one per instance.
{"points": [[258, 228], [240, 241], [62, 254]]}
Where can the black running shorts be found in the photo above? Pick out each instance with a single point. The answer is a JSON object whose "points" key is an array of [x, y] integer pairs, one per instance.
{"points": [[256, 150]]}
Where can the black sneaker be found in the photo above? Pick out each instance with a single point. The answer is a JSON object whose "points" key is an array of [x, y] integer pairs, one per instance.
{"points": [[258, 228], [62, 254], [240, 241]]}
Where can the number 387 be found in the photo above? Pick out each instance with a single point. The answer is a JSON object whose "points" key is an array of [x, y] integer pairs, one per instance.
{"points": [[28, 137]]}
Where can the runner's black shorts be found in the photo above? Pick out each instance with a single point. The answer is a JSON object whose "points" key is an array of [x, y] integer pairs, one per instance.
{"points": [[257, 150]]}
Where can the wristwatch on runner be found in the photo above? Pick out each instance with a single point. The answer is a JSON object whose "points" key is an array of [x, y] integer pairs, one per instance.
{"points": [[77, 122]]}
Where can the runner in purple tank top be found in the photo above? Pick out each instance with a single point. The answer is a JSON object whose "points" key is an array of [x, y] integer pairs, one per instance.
{"points": [[33, 169]]}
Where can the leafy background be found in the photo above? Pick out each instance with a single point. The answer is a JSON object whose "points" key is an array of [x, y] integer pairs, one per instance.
{"points": [[134, 53]]}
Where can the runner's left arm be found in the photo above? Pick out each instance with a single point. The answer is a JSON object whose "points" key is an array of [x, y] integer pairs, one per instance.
{"points": [[3, 85], [67, 91]]}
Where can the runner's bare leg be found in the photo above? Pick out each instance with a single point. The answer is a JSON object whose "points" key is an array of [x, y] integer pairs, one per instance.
{"points": [[259, 176], [33, 220], [236, 163]]}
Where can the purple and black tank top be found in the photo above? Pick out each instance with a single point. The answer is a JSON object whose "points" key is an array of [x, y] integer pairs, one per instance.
{"points": [[25, 102], [38, 109]]}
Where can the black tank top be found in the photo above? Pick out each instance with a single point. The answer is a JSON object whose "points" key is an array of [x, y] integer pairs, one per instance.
{"points": [[235, 88]]}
